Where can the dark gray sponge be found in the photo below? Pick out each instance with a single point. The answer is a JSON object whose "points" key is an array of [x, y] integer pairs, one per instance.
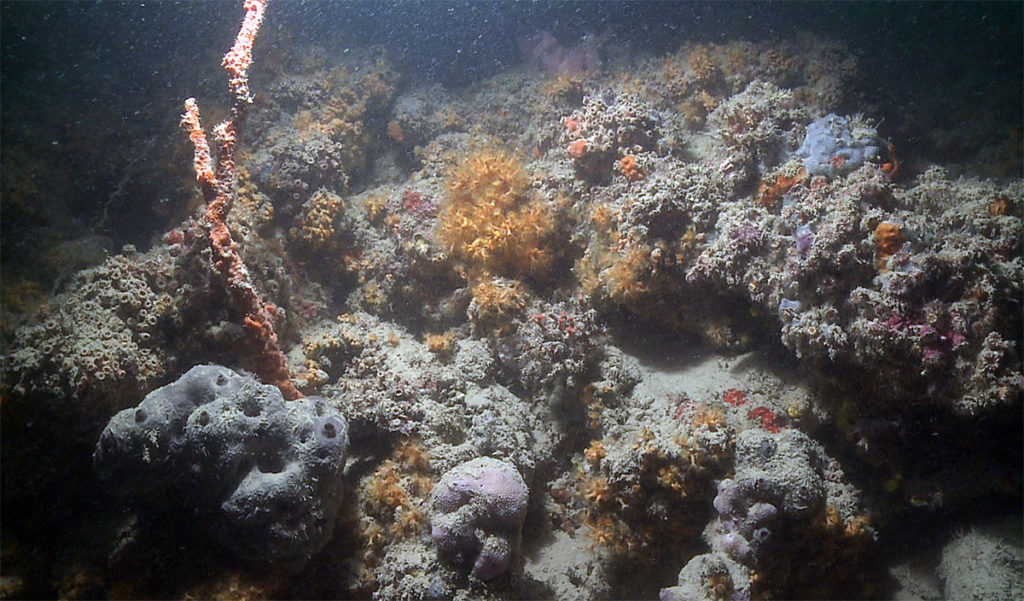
{"points": [[263, 471]]}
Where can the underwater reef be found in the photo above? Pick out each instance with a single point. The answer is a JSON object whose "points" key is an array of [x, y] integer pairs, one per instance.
{"points": [[604, 325]]}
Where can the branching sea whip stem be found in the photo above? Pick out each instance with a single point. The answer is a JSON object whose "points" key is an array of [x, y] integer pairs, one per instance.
{"points": [[218, 186]]}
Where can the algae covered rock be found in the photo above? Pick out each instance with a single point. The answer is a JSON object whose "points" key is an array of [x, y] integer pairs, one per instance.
{"points": [[262, 473]]}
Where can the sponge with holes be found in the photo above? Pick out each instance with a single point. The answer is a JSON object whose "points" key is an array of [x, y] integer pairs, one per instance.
{"points": [[260, 473]]}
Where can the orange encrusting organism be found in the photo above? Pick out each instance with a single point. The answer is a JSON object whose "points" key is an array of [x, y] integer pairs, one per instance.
{"points": [[888, 240], [769, 195], [892, 166], [577, 149], [627, 280]]}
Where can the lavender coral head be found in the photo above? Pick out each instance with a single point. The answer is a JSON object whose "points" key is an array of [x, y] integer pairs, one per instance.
{"points": [[495, 485], [478, 512]]}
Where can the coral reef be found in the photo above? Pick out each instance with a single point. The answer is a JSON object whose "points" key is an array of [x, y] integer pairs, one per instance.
{"points": [[642, 493], [783, 490], [610, 127], [608, 325], [494, 303], [265, 471], [550, 350], [312, 129], [709, 577], [102, 338]]}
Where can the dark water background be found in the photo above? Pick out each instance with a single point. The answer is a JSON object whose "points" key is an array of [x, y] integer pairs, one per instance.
{"points": [[91, 92]]}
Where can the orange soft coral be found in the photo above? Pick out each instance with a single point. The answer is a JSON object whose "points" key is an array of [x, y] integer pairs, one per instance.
{"points": [[314, 227], [701, 66], [627, 280], [492, 223], [888, 240]]}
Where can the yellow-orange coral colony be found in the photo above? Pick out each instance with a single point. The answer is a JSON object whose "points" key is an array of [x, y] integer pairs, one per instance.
{"points": [[316, 225], [701, 65], [492, 223], [395, 132], [495, 298], [628, 279], [615, 511], [1000, 206], [397, 492], [440, 344]]}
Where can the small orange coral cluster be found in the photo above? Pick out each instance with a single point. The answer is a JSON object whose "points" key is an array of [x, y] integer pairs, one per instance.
{"points": [[248, 198], [1000, 206], [342, 117], [398, 481], [395, 132], [892, 166], [701, 66], [440, 344], [630, 169], [616, 504], [564, 85], [694, 77], [492, 223], [396, 498], [628, 279]]}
